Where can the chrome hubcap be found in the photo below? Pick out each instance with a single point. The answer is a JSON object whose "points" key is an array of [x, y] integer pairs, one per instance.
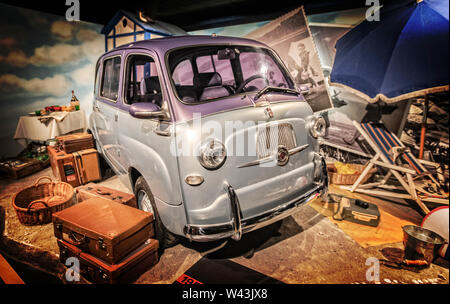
{"points": [[144, 202]]}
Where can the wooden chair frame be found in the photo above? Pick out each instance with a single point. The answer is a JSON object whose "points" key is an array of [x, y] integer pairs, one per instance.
{"points": [[405, 176]]}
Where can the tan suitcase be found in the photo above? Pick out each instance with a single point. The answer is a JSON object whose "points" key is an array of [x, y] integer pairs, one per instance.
{"points": [[63, 166], [93, 190], [103, 228], [87, 166]]}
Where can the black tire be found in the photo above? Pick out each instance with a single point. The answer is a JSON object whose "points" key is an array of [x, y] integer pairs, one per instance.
{"points": [[166, 238]]}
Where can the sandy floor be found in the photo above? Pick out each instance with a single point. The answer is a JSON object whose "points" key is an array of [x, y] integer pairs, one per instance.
{"points": [[306, 248]]}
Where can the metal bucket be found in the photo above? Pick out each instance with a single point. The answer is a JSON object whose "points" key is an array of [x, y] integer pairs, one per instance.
{"points": [[421, 243]]}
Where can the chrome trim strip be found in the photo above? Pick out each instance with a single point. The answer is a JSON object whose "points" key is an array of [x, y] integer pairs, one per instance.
{"points": [[258, 162], [298, 149], [272, 158], [236, 213]]}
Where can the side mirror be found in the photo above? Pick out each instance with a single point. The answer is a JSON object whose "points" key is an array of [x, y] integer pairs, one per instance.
{"points": [[148, 110]]}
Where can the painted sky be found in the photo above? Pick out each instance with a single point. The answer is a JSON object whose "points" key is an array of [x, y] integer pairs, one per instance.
{"points": [[42, 58]]}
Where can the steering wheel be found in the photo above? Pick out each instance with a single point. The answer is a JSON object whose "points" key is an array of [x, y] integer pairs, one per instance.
{"points": [[250, 79]]}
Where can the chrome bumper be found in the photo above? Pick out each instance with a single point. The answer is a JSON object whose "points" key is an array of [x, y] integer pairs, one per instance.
{"points": [[236, 227]]}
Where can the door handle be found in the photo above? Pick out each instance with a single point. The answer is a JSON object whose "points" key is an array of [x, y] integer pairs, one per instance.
{"points": [[116, 117], [162, 133]]}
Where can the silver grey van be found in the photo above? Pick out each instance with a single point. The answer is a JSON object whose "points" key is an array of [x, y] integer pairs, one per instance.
{"points": [[209, 132]]}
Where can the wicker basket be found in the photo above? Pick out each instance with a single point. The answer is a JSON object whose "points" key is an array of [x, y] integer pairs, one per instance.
{"points": [[348, 179], [35, 205]]}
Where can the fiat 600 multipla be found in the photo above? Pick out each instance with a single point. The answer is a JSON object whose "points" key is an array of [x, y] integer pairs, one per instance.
{"points": [[210, 133]]}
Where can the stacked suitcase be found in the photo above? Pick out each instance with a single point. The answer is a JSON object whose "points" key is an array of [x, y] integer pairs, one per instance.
{"points": [[74, 160], [112, 241], [75, 142]]}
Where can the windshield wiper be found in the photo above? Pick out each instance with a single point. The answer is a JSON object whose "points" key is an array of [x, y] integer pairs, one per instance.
{"points": [[269, 89]]}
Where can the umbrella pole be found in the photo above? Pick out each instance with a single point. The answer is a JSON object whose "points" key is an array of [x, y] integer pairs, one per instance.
{"points": [[424, 127]]}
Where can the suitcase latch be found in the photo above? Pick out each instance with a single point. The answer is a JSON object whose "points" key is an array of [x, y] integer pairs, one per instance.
{"points": [[101, 244], [58, 226]]}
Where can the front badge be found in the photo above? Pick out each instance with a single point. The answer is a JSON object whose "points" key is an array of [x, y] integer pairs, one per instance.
{"points": [[282, 156], [269, 113]]}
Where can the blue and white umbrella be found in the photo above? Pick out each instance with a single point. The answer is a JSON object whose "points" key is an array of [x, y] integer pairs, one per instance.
{"points": [[404, 55]]}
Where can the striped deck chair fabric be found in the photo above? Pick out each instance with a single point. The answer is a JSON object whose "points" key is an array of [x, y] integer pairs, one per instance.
{"points": [[385, 140]]}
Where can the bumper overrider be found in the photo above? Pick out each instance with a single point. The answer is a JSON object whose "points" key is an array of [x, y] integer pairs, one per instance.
{"points": [[237, 226]]}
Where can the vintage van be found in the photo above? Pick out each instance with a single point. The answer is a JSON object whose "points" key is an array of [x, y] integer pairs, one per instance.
{"points": [[210, 133]]}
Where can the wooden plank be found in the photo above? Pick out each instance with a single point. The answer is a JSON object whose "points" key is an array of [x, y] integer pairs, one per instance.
{"points": [[363, 174], [398, 168], [411, 192], [436, 200], [7, 273], [379, 192], [327, 143], [391, 195]]}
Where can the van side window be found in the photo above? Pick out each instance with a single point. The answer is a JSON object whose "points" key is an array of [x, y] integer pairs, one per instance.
{"points": [[142, 81], [111, 78], [97, 79]]}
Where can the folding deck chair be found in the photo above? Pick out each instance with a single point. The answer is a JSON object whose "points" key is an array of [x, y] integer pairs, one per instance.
{"points": [[401, 163]]}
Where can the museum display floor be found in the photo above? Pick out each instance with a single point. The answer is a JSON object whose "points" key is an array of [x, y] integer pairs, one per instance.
{"points": [[306, 248]]}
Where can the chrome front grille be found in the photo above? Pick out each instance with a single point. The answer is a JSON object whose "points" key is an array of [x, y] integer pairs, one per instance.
{"points": [[272, 136]]}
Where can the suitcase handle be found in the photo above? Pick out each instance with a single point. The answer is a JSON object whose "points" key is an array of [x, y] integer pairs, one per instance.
{"points": [[41, 178], [76, 241], [100, 191], [36, 202]]}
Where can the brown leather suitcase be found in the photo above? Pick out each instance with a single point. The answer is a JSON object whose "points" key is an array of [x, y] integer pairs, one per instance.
{"points": [[75, 142], [103, 228], [87, 166], [93, 190], [63, 166], [124, 272]]}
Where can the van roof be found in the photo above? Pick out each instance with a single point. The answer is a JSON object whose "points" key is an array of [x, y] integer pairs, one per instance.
{"points": [[162, 45]]}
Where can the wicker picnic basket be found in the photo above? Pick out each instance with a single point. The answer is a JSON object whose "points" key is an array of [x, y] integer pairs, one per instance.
{"points": [[348, 179], [35, 204]]}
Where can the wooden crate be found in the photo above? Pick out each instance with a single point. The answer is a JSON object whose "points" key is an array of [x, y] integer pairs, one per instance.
{"points": [[17, 168]]}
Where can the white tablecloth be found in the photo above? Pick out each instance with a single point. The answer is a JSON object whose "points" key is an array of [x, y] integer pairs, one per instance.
{"points": [[31, 128]]}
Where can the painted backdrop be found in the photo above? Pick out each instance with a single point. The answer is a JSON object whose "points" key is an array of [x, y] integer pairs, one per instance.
{"points": [[42, 58]]}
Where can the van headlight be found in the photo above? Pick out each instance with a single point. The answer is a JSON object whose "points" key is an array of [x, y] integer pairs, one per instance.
{"points": [[317, 126], [212, 154]]}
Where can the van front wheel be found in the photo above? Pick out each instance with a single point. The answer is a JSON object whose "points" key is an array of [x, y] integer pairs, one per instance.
{"points": [[146, 202]]}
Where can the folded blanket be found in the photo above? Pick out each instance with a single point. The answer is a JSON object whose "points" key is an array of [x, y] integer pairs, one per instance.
{"points": [[58, 116]]}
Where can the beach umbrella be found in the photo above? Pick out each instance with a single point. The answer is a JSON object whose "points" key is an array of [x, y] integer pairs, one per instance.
{"points": [[403, 55]]}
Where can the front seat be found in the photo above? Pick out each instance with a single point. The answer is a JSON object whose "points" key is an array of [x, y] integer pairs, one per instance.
{"points": [[210, 86], [151, 90]]}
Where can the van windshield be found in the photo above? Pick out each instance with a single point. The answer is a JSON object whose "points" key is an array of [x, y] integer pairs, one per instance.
{"points": [[206, 73]]}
